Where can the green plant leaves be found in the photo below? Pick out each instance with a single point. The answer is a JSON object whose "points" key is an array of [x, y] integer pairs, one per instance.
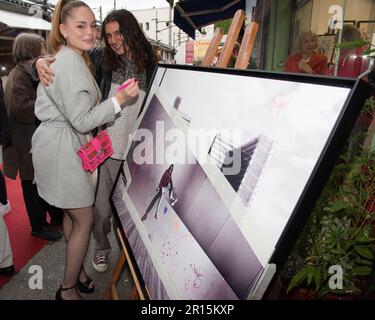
{"points": [[317, 277], [340, 231], [297, 279], [311, 274], [365, 252], [351, 44], [363, 262], [364, 235], [362, 271], [337, 206]]}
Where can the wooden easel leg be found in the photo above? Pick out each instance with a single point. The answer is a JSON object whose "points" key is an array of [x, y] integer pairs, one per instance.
{"points": [[134, 295], [137, 285], [212, 50], [124, 258], [247, 46], [230, 42], [111, 292]]}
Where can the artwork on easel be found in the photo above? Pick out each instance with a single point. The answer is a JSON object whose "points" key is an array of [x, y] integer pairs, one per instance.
{"points": [[217, 172], [326, 46]]}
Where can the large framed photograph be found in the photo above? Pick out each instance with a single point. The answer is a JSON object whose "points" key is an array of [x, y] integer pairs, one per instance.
{"points": [[222, 174]]}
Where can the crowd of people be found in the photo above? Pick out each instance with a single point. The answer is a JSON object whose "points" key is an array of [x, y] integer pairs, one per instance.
{"points": [[52, 102]]}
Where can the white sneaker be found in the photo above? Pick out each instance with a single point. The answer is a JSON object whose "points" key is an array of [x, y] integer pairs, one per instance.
{"points": [[100, 263], [4, 209]]}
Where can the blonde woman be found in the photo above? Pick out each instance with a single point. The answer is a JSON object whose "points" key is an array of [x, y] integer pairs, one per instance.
{"points": [[68, 109], [307, 60]]}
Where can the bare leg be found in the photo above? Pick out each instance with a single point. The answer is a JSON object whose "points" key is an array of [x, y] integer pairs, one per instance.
{"points": [[80, 225], [68, 225]]}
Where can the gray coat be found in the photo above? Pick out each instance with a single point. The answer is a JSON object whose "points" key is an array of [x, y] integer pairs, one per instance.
{"points": [[59, 176]]}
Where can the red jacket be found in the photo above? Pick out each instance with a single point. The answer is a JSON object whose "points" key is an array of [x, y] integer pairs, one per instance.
{"points": [[351, 63], [318, 63], [166, 179]]}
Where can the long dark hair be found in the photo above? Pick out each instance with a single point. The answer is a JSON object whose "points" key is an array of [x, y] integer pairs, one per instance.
{"points": [[134, 38]]}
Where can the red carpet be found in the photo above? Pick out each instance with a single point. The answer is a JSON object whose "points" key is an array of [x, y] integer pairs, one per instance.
{"points": [[24, 246]]}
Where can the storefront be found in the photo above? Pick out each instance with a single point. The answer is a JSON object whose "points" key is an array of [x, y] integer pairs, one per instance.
{"points": [[282, 21], [13, 21]]}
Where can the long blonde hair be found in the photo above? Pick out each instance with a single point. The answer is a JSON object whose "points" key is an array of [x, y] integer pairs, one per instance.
{"points": [[63, 10]]}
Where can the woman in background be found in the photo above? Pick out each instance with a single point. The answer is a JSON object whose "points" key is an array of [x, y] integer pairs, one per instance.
{"points": [[307, 60], [351, 61], [20, 96]]}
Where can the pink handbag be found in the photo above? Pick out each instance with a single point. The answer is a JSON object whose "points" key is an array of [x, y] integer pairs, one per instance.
{"points": [[96, 151]]}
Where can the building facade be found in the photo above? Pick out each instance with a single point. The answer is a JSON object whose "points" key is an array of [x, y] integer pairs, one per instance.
{"points": [[157, 23], [15, 17]]}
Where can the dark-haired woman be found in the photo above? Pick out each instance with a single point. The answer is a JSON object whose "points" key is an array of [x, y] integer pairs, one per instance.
{"points": [[127, 54]]}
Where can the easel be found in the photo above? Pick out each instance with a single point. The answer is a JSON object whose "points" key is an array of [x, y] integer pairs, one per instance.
{"points": [[138, 292], [247, 43]]}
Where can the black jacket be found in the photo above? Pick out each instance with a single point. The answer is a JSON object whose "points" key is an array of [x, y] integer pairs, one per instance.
{"points": [[4, 125], [102, 77]]}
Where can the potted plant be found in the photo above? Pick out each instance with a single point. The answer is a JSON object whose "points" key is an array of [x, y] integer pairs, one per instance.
{"points": [[340, 231]]}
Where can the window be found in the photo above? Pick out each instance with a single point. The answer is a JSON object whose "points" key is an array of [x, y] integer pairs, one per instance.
{"points": [[167, 24], [147, 26], [141, 25]]}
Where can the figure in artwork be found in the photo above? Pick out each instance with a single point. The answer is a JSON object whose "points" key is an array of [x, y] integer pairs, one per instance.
{"points": [[164, 189]]}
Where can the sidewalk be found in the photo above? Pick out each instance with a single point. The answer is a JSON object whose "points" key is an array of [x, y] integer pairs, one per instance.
{"points": [[51, 260]]}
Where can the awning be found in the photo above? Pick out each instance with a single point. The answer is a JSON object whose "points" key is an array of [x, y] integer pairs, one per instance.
{"points": [[17, 20], [191, 15]]}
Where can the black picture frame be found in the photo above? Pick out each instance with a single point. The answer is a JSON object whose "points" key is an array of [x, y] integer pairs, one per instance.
{"points": [[359, 91]]}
